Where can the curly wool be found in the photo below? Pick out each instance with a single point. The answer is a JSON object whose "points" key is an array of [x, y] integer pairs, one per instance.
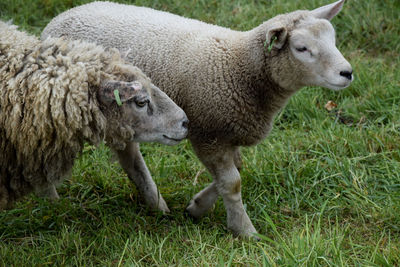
{"points": [[49, 107]]}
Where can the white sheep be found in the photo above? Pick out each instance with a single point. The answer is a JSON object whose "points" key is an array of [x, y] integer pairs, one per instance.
{"points": [[231, 84], [57, 94]]}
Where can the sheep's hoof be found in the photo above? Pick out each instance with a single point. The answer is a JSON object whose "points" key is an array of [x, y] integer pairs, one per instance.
{"points": [[187, 214], [164, 209], [194, 210], [159, 205], [246, 233], [247, 236]]}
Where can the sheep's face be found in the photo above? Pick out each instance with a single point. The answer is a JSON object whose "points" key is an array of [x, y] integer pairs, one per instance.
{"points": [[152, 115], [306, 40], [312, 44]]}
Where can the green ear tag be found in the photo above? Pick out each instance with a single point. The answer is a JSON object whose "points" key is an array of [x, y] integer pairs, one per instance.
{"points": [[271, 44], [117, 98]]}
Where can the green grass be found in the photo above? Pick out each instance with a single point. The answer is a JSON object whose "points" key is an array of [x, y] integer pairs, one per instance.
{"points": [[323, 189]]}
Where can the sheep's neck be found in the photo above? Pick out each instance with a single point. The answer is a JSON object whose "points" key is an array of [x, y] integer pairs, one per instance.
{"points": [[270, 95], [264, 97]]}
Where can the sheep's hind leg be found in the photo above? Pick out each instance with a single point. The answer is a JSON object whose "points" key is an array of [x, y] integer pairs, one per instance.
{"points": [[4, 197], [203, 201], [221, 164], [49, 192], [132, 162]]}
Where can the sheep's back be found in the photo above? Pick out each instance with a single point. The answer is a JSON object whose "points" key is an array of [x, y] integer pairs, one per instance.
{"points": [[199, 65]]}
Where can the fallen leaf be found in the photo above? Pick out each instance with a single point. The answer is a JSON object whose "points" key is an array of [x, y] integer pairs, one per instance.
{"points": [[330, 105]]}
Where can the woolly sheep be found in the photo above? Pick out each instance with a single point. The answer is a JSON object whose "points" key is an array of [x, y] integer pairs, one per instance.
{"points": [[231, 84], [57, 94]]}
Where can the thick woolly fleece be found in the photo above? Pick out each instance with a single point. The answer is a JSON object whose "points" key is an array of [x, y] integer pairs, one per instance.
{"points": [[225, 81], [49, 107]]}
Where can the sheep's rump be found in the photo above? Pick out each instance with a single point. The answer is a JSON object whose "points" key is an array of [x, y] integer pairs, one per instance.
{"points": [[44, 101]]}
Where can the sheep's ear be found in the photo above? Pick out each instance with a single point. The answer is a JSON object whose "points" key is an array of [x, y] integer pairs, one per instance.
{"points": [[328, 11], [276, 37], [119, 92]]}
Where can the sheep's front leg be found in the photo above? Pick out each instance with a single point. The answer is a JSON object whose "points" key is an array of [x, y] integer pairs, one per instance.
{"points": [[229, 187], [132, 162], [227, 183]]}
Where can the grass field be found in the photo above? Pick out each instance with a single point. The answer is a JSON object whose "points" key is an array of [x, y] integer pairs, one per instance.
{"points": [[323, 189]]}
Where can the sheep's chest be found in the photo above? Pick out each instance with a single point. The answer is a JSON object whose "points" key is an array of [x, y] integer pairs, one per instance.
{"points": [[230, 130], [250, 132]]}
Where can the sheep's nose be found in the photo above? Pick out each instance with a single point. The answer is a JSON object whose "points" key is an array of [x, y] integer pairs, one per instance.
{"points": [[347, 74], [185, 124]]}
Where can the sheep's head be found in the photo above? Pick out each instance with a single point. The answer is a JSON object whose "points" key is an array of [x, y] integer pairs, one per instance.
{"points": [[138, 111], [308, 39]]}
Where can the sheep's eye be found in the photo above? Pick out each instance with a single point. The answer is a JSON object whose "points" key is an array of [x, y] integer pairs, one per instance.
{"points": [[141, 103], [301, 49]]}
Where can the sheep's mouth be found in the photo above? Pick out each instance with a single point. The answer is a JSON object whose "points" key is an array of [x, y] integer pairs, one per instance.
{"points": [[335, 86], [173, 139]]}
